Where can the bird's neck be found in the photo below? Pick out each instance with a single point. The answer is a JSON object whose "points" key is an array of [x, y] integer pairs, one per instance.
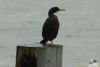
{"points": [[50, 14]]}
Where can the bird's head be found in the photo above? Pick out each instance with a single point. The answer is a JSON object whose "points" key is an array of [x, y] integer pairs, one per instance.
{"points": [[54, 10]]}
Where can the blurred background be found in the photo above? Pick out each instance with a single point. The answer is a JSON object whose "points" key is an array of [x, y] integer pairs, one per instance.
{"points": [[21, 23]]}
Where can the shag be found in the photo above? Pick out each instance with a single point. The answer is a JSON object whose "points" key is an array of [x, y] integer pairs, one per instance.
{"points": [[51, 26]]}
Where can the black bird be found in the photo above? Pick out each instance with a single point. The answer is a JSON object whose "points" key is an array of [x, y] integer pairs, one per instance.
{"points": [[51, 26]]}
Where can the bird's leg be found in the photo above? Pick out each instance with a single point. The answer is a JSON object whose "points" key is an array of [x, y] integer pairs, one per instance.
{"points": [[51, 42]]}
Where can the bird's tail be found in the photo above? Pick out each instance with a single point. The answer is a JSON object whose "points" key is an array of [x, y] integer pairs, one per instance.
{"points": [[43, 41]]}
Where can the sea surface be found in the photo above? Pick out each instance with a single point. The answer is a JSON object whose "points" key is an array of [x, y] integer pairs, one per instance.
{"points": [[21, 23]]}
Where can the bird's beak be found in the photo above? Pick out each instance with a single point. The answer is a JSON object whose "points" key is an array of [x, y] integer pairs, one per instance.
{"points": [[62, 10]]}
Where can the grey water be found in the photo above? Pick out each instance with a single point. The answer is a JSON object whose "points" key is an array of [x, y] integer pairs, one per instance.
{"points": [[21, 23]]}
